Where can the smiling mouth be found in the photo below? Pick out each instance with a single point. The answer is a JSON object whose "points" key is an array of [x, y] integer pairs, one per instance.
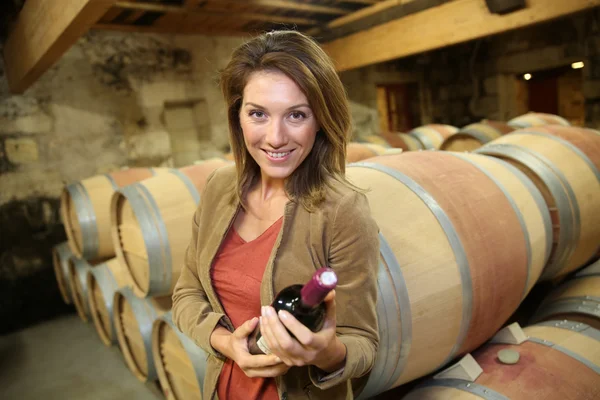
{"points": [[278, 154]]}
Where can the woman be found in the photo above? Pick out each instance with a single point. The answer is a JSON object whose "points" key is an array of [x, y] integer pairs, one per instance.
{"points": [[283, 211]]}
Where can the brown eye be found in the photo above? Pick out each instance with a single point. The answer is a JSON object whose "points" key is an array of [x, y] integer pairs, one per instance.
{"points": [[297, 115]]}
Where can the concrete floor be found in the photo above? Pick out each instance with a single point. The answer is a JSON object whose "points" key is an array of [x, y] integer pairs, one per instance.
{"points": [[64, 359]]}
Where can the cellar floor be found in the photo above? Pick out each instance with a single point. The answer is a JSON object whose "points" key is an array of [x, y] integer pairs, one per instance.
{"points": [[64, 359]]}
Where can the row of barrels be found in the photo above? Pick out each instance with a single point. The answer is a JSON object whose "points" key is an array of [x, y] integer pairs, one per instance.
{"points": [[468, 138], [464, 237], [557, 356]]}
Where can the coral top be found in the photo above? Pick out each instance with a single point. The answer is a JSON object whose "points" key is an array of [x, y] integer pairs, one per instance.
{"points": [[236, 274]]}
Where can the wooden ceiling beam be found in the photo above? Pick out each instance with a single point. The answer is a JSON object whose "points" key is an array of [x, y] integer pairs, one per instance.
{"points": [[450, 23], [243, 15], [294, 6], [43, 32]]}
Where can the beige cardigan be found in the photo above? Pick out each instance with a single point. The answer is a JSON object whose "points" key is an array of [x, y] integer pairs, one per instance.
{"points": [[340, 234]]}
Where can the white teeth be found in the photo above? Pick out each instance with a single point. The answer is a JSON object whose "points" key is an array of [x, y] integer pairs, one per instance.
{"points": [[278, 155]]}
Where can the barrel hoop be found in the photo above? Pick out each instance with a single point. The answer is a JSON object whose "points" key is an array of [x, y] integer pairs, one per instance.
{"points": [[539, 201], [108, 286], [81, 269], [568, 145], [476, 134], [423, 139], [578, 327], [587, 305], [145, 315], [566, 351], [155, 237], [87, 220], [188, 184], [112, 182], [568, 235], [517, 213], [397, 354], [453, 240], [196, 355], [466, 386], [64, 254], [591, 270]]}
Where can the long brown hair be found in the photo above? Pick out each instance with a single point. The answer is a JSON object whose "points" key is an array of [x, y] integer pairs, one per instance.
{"points": [[305, 62]]}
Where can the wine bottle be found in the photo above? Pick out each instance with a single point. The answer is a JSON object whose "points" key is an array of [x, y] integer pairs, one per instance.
{"points": [[304, 302]]}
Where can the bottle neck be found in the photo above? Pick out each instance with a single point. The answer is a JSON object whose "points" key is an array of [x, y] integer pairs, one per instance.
{"points": [[315, 290]]}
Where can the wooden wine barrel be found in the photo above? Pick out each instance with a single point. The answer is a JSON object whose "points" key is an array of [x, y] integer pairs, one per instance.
{"points": [[403, 141], [474, 136], [60, 260], [360, 151], [375, 139], [570, 184], [151, 225], [78, 269], [559, 361], [445, 230], [433, 135], [133, 319], [102, 282], [537, 119], [586, 140], [576, 300], [179, 362], [85, 211]]}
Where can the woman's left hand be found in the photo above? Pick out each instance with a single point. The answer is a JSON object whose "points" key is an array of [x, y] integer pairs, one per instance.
{"points": [[322, 349]]}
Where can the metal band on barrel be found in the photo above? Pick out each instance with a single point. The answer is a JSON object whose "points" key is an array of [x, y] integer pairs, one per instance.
{"points": [[108, 286], [453, 240], [515, 208], [423, 139], [188, 184], [156, 240], [569, 232], [87, 220], [466, 386]]}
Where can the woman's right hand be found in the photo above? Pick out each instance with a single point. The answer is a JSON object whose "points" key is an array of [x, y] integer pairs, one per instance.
{"points": [[235, 347]]}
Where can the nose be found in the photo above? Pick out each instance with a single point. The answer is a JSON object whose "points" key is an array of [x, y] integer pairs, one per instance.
{"points": [[276, 136]]}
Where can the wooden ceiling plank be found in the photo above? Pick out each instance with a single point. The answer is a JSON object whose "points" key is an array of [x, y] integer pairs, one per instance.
{"points": [[43, 32], [450, 23], [110, 15], [249, 16]]}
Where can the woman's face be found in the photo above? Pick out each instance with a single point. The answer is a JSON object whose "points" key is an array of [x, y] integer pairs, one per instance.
{"points": [[278, 124]]}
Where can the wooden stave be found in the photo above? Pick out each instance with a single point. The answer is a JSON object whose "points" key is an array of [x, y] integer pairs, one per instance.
{"points": [[432, 136], [81, 211], [477, 134], [538, 255], [196, 356], [372, 388], [585, 139], [163, 258], [568, 193], [60, 261], [494, 382], [530, 119], [145, 311]]}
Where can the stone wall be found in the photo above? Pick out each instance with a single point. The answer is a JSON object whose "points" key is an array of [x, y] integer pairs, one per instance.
{"points": [[100, 108], [464, 83]]}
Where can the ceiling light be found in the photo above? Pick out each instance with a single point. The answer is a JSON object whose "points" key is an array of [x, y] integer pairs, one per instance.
{"points": [[527, 77], [577, 65]]}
